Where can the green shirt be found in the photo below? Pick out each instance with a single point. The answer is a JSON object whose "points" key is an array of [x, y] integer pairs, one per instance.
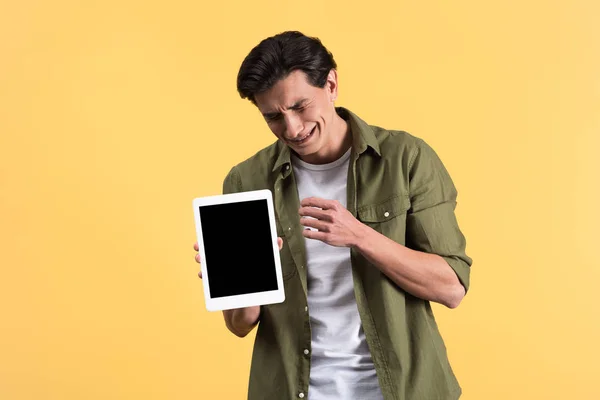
{"points": [[398, 186]]}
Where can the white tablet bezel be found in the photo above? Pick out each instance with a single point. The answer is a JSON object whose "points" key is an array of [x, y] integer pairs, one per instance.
{"points": [[243, 300]]}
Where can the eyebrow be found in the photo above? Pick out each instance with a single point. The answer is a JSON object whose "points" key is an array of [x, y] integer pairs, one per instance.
{"points": [[295, 106]]}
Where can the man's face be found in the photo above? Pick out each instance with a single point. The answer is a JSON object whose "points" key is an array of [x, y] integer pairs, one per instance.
{"points": [[300, 114]]}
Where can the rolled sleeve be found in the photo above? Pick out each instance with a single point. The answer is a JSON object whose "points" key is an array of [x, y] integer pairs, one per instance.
{"points": [[431, 222]]}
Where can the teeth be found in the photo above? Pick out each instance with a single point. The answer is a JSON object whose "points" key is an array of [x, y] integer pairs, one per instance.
{"points": [[302, 138]]}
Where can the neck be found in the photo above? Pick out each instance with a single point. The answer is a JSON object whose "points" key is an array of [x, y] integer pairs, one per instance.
{"points": [[340, 140]]}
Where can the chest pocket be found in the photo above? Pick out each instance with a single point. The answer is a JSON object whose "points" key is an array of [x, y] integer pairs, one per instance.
{"points": [[387, 217], [288, 267]]}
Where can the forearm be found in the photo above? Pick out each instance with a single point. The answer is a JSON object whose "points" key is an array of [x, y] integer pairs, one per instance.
{"points": [[424, 275], [241, 321]]}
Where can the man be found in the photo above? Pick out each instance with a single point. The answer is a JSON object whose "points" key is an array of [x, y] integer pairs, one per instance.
{"points": [[368, 238]]}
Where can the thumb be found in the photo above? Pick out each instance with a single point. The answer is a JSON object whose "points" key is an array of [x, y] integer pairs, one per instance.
{"points": [[280, 243]]}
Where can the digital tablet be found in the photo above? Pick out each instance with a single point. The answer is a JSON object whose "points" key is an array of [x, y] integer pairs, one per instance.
{"points": [[239, 255]]}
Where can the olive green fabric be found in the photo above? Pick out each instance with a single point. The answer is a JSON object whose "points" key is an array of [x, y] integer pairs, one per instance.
{"points": [[398, 186]]}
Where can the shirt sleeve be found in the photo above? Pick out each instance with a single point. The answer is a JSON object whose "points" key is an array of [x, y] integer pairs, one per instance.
{"points": [[431, 224], [232, 182]]}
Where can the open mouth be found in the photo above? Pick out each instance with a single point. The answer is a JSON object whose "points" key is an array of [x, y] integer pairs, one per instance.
{"points": [[305, 138]]}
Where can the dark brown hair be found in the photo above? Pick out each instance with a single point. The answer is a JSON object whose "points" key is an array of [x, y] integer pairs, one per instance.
{"points": [[276, 57]]}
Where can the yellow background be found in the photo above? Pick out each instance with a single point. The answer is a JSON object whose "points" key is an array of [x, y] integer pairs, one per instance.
{"points": [[114, 115]]}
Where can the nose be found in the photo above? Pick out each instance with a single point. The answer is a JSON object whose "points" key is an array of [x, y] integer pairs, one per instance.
{"points": [[293, 126]]}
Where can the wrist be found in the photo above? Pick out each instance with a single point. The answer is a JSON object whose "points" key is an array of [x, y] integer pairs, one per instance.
{"points": [[361, 236], [245, 318]]}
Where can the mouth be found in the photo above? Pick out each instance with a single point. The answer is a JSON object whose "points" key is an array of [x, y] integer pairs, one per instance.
{"points": [[304, 138]]}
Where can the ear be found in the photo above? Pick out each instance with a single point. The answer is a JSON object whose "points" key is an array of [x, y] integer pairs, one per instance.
{"points": [[332, 85]]}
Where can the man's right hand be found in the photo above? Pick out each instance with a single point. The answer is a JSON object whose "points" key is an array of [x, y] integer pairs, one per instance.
{"points": [[240, 321]]}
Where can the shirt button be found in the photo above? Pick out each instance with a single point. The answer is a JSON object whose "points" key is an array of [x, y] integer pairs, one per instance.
{"points": [[306, 351], [386, 214], [289, 228], [306, 308], [301, 395]]}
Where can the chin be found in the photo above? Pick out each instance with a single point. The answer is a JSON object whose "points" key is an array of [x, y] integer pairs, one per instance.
{"points": [[312, 148], [305, 151]]}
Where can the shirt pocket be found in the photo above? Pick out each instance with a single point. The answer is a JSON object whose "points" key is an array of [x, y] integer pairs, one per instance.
{"points": [[387, 217], [288, 267]]}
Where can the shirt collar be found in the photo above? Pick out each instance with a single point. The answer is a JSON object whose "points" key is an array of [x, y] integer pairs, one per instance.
{"points": [[362, 134]]}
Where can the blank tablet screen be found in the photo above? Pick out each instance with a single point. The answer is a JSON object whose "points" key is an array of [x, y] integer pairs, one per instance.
{"points": [[238, 248]]}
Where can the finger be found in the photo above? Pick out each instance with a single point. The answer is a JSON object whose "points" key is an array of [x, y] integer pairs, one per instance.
{"points": [[315, 223], [316, 213], [280, 243], [317, 202], [322, 236], [196, 246], [197, 258], [200, 274]]}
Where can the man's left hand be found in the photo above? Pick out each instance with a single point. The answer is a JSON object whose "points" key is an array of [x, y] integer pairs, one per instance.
{"points": [[335, 225]]}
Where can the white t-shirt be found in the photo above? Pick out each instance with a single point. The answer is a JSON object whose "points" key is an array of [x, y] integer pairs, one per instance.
{"points": [[341, 364]]}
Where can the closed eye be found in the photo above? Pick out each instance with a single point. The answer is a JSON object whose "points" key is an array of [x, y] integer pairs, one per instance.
{"points": [[299, 106], [272, 117]]}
